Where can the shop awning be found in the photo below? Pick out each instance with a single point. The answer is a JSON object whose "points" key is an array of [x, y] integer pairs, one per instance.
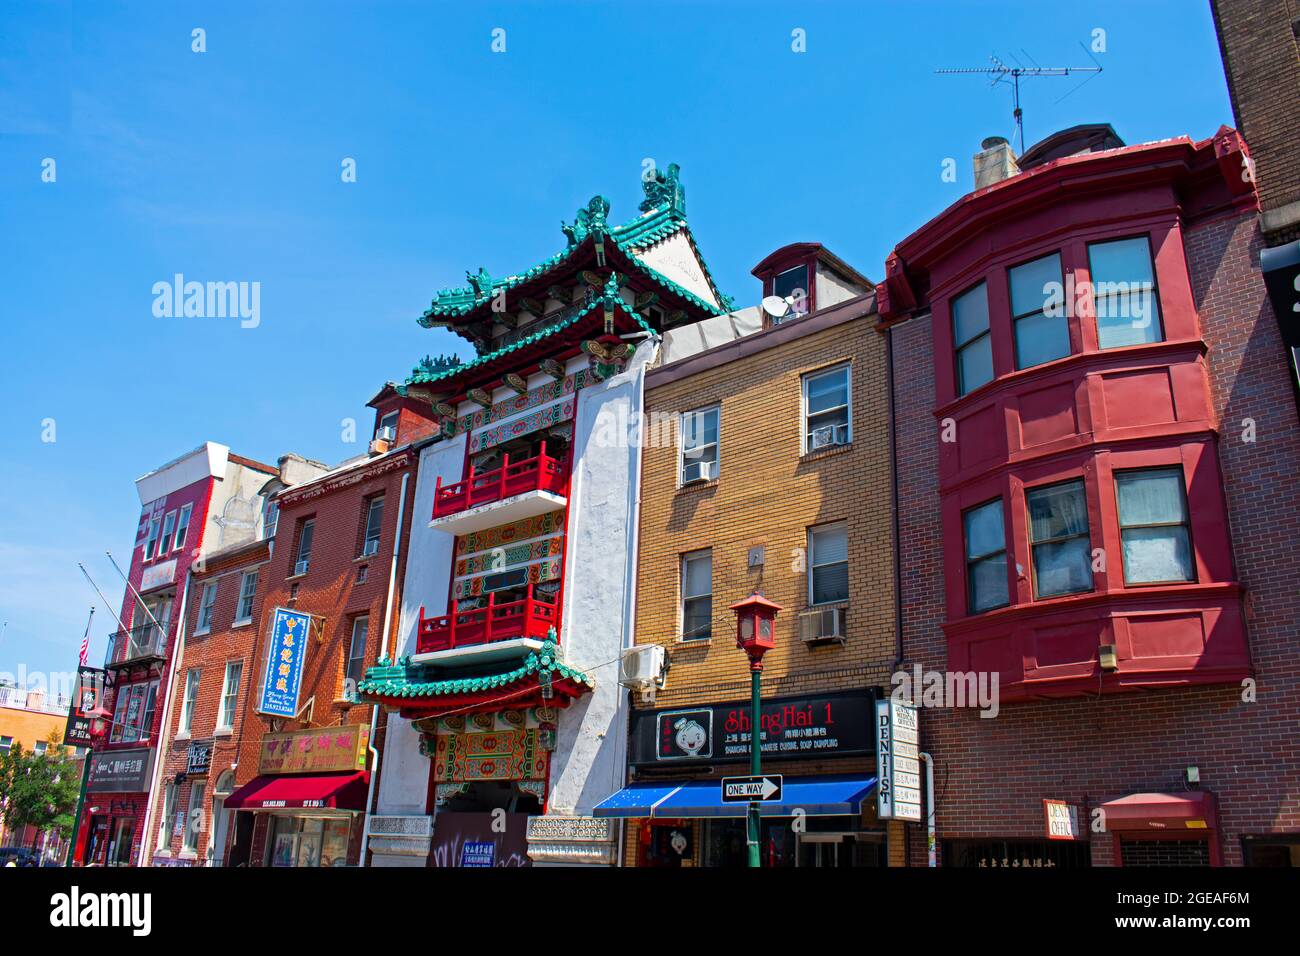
{"points": [[326, 791], [1193, 810], [816, 796]]}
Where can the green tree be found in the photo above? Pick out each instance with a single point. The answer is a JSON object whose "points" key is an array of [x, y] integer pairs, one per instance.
{"points": [[40, 789]]}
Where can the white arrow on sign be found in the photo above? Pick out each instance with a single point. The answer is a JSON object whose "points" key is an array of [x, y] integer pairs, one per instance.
{"points": [[751, 788]]}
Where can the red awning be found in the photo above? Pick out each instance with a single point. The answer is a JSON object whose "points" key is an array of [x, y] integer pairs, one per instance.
{"points": [[1193, 810], [332, 791]]}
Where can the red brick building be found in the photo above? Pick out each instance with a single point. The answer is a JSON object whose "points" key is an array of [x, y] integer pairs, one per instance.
{"points": [[1096, 454], [303, 783], [204, 501]]}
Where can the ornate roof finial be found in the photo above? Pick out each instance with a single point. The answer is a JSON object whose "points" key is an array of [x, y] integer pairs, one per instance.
{"points": [[480, 282], [664, 189], [593, 218]]}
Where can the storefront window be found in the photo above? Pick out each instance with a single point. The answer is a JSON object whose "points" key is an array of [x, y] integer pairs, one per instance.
{"points": [[826, 841], [308, 841]]}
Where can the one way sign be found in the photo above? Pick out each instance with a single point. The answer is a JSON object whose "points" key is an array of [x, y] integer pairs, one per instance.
{"points": [[751, 789]]}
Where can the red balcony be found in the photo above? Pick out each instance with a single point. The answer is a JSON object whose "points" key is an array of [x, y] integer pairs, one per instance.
{"points": [[541, 473], [530, 617]]}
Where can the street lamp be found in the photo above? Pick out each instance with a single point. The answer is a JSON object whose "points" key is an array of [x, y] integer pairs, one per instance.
{"points": [[755, 635]]}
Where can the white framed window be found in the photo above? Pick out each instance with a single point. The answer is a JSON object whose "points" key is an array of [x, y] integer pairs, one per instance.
{"points": [[247, 588], [270, 519], [970, 338], [826, 409], [356, 668], [183, 526], [697, 596], [306, 531], [699, 445], [192, 677], [387, 429], [151, 538], [374, 525], [169, 525], [194, 816], [230, 694], [207, 601], [828, 563], [1153, 526], [6, 742], [168, 816]]}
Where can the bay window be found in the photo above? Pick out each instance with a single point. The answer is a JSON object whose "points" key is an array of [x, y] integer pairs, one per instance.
{"points": [[1153, 525], [1042, 331], [1058, 536], [1124, 292], [986, 557], [970, 336]]}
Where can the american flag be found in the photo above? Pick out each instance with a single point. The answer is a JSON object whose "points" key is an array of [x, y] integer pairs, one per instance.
{"points": [[85, 649]]}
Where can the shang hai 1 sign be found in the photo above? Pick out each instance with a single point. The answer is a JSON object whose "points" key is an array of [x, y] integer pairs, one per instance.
{"points": [[286, 652], [898, 761]]}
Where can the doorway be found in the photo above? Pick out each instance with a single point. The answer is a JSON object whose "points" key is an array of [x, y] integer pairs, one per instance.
{"points": [[839, 849], [220, 819]]}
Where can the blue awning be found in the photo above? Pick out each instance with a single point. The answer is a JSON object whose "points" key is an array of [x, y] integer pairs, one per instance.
{"points": [[816, 796]]}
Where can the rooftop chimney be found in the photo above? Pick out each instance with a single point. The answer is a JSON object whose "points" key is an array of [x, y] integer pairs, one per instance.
{"points": [[994, 162]]}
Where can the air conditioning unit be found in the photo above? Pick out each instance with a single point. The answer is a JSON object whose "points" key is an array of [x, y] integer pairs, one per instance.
{"points": [[828, 436], [301, 566], [641, 669], [387, 433], [370, 547], [699, 471], [822, 625]]}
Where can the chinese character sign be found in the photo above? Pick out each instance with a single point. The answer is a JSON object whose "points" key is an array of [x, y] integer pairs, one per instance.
{"points": [[286, 651]]}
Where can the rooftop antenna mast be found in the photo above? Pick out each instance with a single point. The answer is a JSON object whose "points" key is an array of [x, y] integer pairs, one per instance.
{"points": [[1001, 73]]}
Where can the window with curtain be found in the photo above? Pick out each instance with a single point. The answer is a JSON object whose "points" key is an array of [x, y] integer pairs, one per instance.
{"points": [[1124, 292], [970, 336], [230, 694], [1153, 526], [697, 596], [986, 557], [828, 564], [1058, 535], [1042, 331]]}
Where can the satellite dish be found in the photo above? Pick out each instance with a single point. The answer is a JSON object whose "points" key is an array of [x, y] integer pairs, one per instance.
{"points": [[775, 306]]}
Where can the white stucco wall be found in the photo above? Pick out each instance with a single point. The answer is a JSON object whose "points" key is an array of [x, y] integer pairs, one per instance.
{"points": [[675, 258], [404, 781], [588, 762]]}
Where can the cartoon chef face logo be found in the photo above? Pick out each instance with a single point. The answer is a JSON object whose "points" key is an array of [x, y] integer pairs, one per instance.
{"points": [[691, 736], [678, 842]]}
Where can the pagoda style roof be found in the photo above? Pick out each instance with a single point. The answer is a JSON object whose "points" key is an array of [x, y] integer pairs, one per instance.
{"points": [[407, 687], [590, 236]]}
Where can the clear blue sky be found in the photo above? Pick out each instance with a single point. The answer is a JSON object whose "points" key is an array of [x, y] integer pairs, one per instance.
{"points": [[225, 166]]}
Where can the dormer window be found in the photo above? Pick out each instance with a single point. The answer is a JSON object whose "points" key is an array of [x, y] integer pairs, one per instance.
{"points": [[793, 286], [387, 429]]}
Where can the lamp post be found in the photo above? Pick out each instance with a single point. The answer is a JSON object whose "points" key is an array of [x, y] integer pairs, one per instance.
{"points": [[755, 635]]}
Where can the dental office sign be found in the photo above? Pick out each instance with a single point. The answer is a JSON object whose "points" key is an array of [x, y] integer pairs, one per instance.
{"points": [[898, 761], [286, 651]]}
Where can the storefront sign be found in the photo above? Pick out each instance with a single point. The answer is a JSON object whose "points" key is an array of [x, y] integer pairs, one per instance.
{"points": [[198, 758], [319, 750], [158, 575], [87, 705], [898, 764], [823, 725], [120, 771], [286, 651], [478, 854], [1062, 820]]}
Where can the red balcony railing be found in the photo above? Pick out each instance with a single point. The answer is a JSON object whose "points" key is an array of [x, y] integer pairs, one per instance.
{"points": [[530, 617], [539, 473]]}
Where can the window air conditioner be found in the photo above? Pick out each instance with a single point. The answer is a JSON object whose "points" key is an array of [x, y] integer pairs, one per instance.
{"points": [[641, 668], [822, 624], [301, 566], [699, 471], [387, 433], [370, 547], [828, 436]]}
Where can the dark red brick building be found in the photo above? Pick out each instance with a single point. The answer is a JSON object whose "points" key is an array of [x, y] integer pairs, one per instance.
{"points": [[303, 783], [1096, 453]]}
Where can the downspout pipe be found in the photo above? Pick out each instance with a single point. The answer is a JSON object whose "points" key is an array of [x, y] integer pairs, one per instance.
{"points": [[383, 652], [931, 847]]}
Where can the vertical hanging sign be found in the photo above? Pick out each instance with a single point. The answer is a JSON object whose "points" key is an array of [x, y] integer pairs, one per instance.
{"points": [[898, 764], [286, 651]]}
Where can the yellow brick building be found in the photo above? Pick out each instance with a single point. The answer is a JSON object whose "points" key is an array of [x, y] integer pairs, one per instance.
{"points": [[787, 512]]}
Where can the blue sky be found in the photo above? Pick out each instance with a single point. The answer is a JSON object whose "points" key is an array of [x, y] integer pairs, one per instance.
{"points": [[225, 166]]}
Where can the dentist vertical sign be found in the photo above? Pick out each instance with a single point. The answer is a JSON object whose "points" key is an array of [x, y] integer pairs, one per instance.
{"points": [[286, 651]]}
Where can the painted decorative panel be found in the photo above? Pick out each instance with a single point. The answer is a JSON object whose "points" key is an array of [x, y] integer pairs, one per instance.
{"points": [[522, 403], [552, 414], [550, 523], [495, 755]]}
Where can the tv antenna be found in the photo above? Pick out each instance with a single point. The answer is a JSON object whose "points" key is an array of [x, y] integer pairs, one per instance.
{"points": [[1001, 73]]}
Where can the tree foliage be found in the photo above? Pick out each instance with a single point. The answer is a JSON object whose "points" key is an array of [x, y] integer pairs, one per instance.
{"points": [[40, 789]]}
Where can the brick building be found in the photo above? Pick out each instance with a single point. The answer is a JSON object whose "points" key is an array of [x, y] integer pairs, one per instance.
{"points": [[206, 500], [766, 470], [214, 663], [331, 588], [1098, 506]]}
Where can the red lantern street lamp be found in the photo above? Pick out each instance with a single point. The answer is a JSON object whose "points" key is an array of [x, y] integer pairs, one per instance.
{"points": [[755, 635]]}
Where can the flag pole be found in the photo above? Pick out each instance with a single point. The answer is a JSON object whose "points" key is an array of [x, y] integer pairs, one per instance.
{"points": [[85, 761]]}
